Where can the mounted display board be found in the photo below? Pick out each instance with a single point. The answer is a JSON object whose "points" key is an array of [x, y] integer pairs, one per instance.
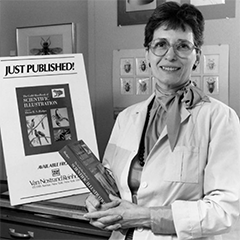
{"points": [[45, 105]]}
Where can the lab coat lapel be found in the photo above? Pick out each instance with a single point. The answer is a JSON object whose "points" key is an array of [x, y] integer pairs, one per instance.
{"points": [[138, 121]]}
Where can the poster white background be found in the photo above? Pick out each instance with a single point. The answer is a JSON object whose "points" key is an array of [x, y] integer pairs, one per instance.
{"points": [[21, 169]]}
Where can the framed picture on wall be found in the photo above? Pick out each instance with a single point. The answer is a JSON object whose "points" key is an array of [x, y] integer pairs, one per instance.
{"points": [[214, 9], [46, 39], [132, 12]]}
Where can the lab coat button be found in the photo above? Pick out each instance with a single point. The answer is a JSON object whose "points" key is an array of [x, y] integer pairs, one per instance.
{"points": [[144, 184], [139, 229]]}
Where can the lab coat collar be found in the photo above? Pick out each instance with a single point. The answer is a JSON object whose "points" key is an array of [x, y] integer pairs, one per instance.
{"points": [[139, 117]]}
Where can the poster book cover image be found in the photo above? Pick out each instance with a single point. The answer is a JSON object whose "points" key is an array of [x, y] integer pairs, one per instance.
{"points": [[46, 117], [90, 170]]}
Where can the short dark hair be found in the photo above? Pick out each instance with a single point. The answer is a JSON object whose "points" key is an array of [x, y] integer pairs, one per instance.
{"points": [[175, 16]]}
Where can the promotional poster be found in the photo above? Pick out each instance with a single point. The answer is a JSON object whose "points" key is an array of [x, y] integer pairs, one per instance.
{"points": [[45, 105]]}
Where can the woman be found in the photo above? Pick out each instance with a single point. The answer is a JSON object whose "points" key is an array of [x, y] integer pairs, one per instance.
{"points": [[176, 156]]}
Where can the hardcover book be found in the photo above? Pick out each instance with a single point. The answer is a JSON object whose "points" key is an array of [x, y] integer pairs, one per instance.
{"points": [[90, 170], [45, 104]]}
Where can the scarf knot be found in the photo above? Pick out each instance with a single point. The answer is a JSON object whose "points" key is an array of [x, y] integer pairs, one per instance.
{"points": [[189, 95]]}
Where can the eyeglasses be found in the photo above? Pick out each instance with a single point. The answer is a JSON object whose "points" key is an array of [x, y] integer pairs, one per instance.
{"points": [[182, 48]]}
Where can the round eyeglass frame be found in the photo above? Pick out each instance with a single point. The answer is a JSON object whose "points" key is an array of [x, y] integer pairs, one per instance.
{"points": [[174, 49]]}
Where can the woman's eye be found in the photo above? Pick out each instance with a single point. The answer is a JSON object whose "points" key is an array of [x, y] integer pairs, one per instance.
{"points": [[184, 46], [160, 45]]}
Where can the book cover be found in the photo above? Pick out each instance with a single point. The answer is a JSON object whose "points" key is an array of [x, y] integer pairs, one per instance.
{"points": [[44, 104], [46, 117], [90, 170]]}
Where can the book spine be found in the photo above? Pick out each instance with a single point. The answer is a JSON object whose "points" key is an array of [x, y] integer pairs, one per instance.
{"points": [[84, 174]]}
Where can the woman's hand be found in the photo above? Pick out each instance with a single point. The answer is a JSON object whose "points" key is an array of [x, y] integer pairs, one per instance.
{"points": [[93, 205], [118, 214]]}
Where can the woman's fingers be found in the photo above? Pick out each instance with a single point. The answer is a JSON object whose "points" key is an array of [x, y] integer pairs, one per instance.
{"points": [[112, 204], [107, 223], [100, 214], [92, 203]]}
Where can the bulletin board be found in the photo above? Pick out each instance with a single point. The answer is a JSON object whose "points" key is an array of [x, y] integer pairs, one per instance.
{"points": [[133, 81], [211, 74]]}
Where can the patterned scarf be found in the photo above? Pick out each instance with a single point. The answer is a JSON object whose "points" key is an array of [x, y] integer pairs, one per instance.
{"points": [[166, 111]]}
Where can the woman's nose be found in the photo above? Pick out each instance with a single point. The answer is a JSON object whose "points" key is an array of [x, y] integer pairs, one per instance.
{"points": [[170, 54]]}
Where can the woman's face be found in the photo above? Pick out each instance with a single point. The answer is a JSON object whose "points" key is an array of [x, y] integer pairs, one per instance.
{"points": [[171, 71]]}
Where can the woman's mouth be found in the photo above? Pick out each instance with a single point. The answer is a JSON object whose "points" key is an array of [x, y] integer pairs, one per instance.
{"points": [[170, 69]]}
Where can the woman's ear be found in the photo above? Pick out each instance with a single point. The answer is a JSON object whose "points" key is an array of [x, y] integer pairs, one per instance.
{"points": [[147, 58], [198, 56]]}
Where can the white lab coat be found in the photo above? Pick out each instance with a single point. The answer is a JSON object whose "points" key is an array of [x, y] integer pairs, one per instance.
{"points": [[200, 178]]}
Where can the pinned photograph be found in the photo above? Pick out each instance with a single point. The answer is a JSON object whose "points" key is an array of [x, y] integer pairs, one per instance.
{"points": [[126, 67], [142, 68], [143, 86], [211, 84], [211, 63], [126, 86]]}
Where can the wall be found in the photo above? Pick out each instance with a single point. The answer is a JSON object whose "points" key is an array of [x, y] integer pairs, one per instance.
{"points": [[105, 36], [22, 13]]}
